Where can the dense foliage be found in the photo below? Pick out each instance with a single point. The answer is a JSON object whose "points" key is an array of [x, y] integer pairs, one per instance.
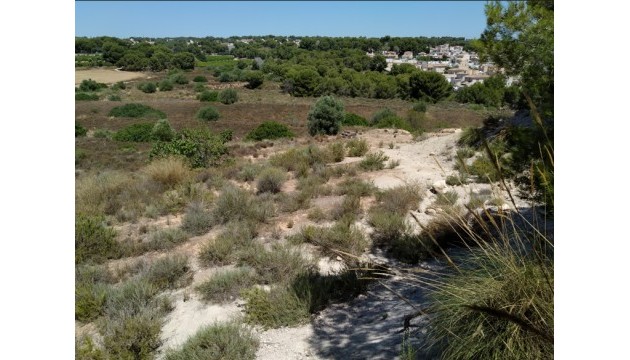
{"points": [[200, 147], [325, 116], [270, 130]]}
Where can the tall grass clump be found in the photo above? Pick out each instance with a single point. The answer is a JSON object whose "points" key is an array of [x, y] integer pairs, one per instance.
{"points": [[168, 272], [339, 237], [374, 161], [281, 264], [224, 248], [338, 152], [400, 199], [357, 147], [168, 172], [223, 341], [93, 240], [197, 220], [271, 180], [227, 285]]}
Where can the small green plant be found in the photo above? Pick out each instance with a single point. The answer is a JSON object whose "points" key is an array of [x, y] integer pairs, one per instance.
{"points": [[351, 119], [471, 137], [200, 79], [93, 240], [169, 171], [226, 285], [357, 147], [281, 264], [374, 161], [198, 87], [448, 198], [355, 187], [179, 79], [224, 341], [224, 247], [197, 219], [200, 147], [147, 87], [91, 85], [165, 85], [208, 113], [119, 86], [341, 236], [269, 130], [271, 180], [162, 131], [325, 116], [274, 309], [135, 337], [79, 130], [85, 97], [114, 97], [420, 106], [207, 95], [388, 226], [316, 214], [136, 111], [456, 180], [135, 132], [337, 150], [168, 272], [465, 153], [228, 96]]}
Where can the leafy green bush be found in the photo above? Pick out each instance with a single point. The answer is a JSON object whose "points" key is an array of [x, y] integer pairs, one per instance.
{"points": [[254, 79], [179, 79], [228, 96], [325, 116], [224, 341], [85, 97], [226, 285], [374, 161], [200, 147], [89, 300], [420, 106], [269, 130], [162, 131], [226, 135], [93, 241], [79, 130], [357, 147], [91, 85], [208, 113], [484, 170], [136, 111], [200, 79], [147, 87], [271, 180], [135, 132], [351, 119], [165, 85], [119, 86], [207, 95]]}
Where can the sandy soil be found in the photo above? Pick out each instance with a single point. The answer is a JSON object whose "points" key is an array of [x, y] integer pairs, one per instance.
{"points": [[107, 76]]}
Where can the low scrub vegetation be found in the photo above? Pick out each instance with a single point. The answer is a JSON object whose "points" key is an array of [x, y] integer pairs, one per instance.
{"points": [[169, 172], [136, 111], [228, 96], [270, 130], [339, 237], [147, 87], [227, 285], [93, 240], [81, 96], [225, 341], [351, 119], [141, 132], [374, 161], [208, 113], [225, 247], [357, 147], [208, 95], [270, 180]]}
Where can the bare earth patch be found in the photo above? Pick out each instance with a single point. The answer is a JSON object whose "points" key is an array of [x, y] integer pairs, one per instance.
{"points": [[107, 76]]}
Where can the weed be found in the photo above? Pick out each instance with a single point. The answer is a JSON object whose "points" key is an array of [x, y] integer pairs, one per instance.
{"points": [[392, 164], [165, 85], [465, 153], [388, 226], [79, 130], [114, 97], [136, 337], [351, 119], [200, 79], [316, 214], [85, 97], [147, 87], [135, 132], [103, 134], [228, 96]]}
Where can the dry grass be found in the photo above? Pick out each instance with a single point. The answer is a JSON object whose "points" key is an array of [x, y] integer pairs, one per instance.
{"points": [[169, 171]]}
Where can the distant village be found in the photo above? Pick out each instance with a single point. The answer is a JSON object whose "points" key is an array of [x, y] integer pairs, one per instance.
{"points": [[459, 67]]}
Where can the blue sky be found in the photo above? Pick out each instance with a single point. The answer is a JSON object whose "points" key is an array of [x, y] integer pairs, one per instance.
{"points": [[300, 18]]}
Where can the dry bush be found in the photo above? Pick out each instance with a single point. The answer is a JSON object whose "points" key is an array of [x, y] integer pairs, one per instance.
{"points": [[169, 171]]}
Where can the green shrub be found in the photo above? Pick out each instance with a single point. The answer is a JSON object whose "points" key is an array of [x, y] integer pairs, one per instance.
{"points": [[420, 106], [200, 147], [79, 130], [374, 161], [254, 79], [179, 79], [162, 131], [93, 241], [325, 116], [382, 114], [84, 349], [341, 236], [400, 199], [223, 248], [226, 285], [168, 272], [269, 130], [224, 341], [271, 180], [91, 85], [165, 85], [147, 87], [277, 308], [208, 113], [465, 153], [228, 96], [136, 337], [484, 170], [89, 300], [85, 97], [249, 172], [394, 122], [200, 79], [234, 204], [207, 95], [351, 119], [388, 226], [197, 220], [135, 132], [136, 111], [198, 87], [119, 86], [163, 239], [103, 134], [280, 265], [357, 147], [471, 137], [355, 187], [114, 97]]}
